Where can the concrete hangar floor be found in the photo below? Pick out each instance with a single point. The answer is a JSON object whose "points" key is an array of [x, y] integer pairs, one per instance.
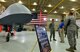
{"points": [[24, 42]]}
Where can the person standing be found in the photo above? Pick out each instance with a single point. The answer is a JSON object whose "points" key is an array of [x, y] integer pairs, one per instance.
{"points": [[52, 30], [70, 29], [61, 31]]}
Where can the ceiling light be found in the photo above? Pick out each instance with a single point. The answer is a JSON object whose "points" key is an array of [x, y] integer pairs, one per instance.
{"points": [[45, 10], [45, 19], [2, 0], [62, 7], [50, 19], [34, 3], [56, 19], [33, 9], [20, 2], [73, 9], [55, 12], [73, 0], [64, 13], [49, 5]]}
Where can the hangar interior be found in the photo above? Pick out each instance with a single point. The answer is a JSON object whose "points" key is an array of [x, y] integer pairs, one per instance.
{"points": [[26, 40]]}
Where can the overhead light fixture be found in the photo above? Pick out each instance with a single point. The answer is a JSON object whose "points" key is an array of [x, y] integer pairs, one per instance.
{"points": [[2, 0], [56, 19], [49, 5], [62, 7], [73, 9], [50, 19], [45, 10], [34, 3], [33, 9], [73, 0], [55, 12], [45, 19], [64, 13], [20, 2]]}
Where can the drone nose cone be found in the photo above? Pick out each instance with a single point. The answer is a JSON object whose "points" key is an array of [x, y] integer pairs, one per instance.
{"points": [[16, 13]]}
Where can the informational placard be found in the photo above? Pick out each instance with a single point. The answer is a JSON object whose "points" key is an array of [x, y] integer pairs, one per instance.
{"points": [[43, 41]]}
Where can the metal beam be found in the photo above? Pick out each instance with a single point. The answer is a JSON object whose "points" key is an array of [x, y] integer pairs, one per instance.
{"points": [[38, 4], [42, 3], [55, 6]]}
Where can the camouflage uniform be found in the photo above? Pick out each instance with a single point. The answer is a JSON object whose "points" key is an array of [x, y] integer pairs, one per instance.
{"points": [[52, 31], [71, 30]]}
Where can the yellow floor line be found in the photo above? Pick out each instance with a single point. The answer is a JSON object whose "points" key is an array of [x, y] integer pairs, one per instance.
{"points": [[34, 46]]}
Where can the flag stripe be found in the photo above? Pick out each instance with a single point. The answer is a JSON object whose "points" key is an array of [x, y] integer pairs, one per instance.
{"points": [[39, 20], [36, 23]]}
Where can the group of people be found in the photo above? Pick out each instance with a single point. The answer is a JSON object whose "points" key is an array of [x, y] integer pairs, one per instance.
{"points": [[67, 27]]}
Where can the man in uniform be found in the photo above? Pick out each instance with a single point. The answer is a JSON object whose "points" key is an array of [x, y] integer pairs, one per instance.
{"points": [[52, 30], [70, 28]]}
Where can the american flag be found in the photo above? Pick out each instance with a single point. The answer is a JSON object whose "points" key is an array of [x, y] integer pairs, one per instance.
{"points": [[41, 20]]}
